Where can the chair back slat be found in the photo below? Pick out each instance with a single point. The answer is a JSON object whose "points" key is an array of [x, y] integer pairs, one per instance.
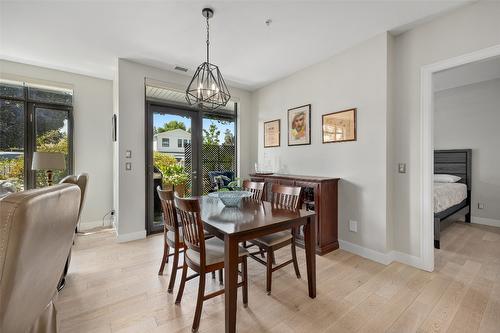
{"points": [[170, 221], [257, 188], [286, 196], [190, 219]]}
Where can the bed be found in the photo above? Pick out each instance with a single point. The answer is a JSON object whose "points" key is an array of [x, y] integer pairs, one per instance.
{"points": [[450, 198]]}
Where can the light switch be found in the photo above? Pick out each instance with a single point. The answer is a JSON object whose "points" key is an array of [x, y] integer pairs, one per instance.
{"points": [[128, 154], [128, 166], [402, 167]]}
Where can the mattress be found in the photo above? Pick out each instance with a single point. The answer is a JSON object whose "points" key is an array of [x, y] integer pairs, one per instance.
{"points": [[447, 195]]}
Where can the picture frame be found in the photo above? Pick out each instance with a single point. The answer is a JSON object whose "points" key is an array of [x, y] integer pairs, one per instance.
{"points": [[272, 133], [340, 126], [299, 125]]}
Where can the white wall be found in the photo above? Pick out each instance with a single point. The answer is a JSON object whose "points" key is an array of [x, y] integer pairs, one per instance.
{"points": [[465, 30], [354, 78], [131, 114], [469, 117], [93, 109]]}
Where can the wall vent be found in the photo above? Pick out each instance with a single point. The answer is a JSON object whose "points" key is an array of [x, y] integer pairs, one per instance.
{"points": [[179, 68]]}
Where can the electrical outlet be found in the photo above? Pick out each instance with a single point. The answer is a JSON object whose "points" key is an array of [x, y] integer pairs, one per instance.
{"points": [[402, 167], [480, 205], [353, 226]]}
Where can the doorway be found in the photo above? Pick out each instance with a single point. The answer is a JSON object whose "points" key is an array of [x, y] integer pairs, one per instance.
{"points": [[427, 145], [183, 148]]}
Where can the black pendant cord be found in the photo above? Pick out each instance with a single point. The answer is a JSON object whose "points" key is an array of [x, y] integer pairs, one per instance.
{"points": [[208, 39]]}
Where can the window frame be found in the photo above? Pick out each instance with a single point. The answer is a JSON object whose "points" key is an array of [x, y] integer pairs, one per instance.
{"points": [[30, 133], [167, 140]]}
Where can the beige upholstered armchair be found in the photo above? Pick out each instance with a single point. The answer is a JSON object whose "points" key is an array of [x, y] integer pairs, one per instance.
{"points": [[36, 233]]}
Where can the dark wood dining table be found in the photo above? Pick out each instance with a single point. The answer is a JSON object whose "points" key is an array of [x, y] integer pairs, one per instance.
{"points": [[252, 219]]}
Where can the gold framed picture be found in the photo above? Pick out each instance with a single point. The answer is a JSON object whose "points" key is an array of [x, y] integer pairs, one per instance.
{"points": [[272, 133], [339, 126], [299, 125]]}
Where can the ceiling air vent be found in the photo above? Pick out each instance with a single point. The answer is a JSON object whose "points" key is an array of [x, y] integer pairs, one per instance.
{"points": [[179, 68]]}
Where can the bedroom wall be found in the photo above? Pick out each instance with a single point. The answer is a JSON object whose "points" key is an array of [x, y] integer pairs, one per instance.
{"points": [[462, 31], [468, 117], [92, 112], [354, 78], [130, 190]]}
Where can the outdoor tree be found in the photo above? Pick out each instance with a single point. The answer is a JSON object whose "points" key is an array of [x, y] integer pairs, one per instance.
{"points": [[171, 125], [228, 137], [211, 136]]}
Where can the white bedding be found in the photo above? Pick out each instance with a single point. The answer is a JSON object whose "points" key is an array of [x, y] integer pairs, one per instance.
{"points": [[448, 194]]}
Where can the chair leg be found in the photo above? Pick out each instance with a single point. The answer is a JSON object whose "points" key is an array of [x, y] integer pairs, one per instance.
{"points": [[165, 257], [244, 289], [262, 252], [294, 258], [221, 277], [269, 274], [174, 270], [272, 257], [199, 303], [183, 283]]}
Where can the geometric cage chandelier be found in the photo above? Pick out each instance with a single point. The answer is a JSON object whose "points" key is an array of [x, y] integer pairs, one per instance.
{"points": [[207, 88]]}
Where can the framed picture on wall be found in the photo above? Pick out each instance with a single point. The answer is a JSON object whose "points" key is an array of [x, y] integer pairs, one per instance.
{"points": [[272, 131], [339, 126], [299, 125]]}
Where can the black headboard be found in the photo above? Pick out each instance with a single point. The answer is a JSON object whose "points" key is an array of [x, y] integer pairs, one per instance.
{"points": [[454, 162]]}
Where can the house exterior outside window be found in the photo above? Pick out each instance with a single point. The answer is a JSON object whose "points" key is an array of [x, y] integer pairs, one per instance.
{"points": [[179, 135]]}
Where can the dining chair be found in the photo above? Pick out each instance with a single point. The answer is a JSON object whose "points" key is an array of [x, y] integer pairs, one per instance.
{"points": [[172, 236], [257, 188], [284, 197], [203, 256]]}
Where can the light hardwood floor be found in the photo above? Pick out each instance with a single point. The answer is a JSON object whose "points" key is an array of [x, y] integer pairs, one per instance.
{"points": [[114, 287]]}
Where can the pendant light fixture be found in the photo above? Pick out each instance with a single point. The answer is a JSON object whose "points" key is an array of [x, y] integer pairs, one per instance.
{"points": [[207, 88]]}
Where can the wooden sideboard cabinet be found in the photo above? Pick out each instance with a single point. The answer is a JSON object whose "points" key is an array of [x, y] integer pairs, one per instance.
{"points": [[319, 194]]}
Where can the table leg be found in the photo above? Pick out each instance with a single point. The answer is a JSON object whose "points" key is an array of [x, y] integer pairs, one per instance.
{"points": [[230, 282], [310, 247]]}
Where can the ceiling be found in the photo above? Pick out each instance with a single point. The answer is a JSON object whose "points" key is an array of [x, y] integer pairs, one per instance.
{"points": [[475, 72], [88, 36]]}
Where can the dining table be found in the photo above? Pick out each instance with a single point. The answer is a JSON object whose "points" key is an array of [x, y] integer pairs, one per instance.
{"points": [[249, 220]]}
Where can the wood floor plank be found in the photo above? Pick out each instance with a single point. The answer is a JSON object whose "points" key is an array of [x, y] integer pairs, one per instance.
{"points": [[114, 287]]}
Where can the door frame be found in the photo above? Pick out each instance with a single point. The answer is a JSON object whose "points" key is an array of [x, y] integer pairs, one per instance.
{"points": [[427, 146]]}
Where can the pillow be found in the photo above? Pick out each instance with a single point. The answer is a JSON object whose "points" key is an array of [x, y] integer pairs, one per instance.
{"points": [[443, 178]]}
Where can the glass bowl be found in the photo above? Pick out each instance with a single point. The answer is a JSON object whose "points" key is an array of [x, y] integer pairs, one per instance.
{"points": [[230, 198]]}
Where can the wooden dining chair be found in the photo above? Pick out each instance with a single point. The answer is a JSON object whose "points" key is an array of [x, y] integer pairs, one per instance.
{"points": [[203, 256], [288, 197], [257, 188], [172, 234]]}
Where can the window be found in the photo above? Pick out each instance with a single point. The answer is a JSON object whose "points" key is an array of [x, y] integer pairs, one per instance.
{"points": [[179, 143], [186, 141], [32, 118], [165, 142]]}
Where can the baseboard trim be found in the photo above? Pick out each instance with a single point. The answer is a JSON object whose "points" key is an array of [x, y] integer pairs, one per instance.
{"points": [[485, 221], [364, 252], [132, 236], [83, 226], [384, 258]]}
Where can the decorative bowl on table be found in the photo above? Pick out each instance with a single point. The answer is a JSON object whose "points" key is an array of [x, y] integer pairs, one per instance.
{"points": [[230, 198]]}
